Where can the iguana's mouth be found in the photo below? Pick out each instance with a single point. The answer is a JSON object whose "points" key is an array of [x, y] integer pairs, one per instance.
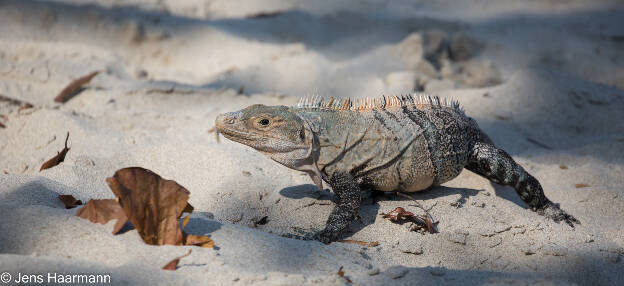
{"points": [[236, 135]]}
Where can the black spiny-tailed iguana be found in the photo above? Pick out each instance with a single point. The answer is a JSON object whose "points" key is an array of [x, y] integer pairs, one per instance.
{"points": [[403, 144]]}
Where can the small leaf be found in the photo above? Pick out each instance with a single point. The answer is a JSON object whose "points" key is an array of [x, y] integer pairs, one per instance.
{"points": [[173, 264], [60, 157], [74, 87], [69, 201], [563, 167], [581, 185]]}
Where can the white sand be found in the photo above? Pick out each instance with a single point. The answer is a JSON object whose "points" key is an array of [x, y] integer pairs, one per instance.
{"points": [[543, 78]]}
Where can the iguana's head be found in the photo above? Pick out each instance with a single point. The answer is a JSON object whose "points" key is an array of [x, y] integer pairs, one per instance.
{"points": [[277, 132], [270, 129]]}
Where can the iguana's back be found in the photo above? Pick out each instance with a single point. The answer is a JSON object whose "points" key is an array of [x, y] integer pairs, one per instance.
{"points": [[405, 143]]}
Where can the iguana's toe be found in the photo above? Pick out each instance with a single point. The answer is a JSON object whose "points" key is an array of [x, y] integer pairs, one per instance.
{"points": [[552, 211]]}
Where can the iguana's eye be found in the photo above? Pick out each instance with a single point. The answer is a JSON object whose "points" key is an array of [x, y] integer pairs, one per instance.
{"points": [[264, 122]]}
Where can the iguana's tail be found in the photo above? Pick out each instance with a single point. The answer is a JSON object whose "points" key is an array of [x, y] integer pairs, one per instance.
{"points": [[496, 165]]}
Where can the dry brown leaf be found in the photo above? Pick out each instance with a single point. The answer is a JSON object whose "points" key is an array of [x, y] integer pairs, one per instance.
{"points": [[69, 201], [60, 157], [426, 220], [198, 240], [153, 204], [362, 243], [74, 87], [398, 214], [342, 274], [173, 264], [563, 167], [102, 211], [581, 185]]}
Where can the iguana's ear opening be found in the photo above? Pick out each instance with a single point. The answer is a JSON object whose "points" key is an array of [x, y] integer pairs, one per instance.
{"points": [[302, 133]]}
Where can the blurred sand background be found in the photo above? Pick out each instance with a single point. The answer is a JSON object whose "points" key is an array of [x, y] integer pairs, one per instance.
{"points": [[545, 79]]}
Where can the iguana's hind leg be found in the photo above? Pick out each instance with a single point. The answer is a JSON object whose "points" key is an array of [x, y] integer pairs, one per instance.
{"points": [[495, 164]]}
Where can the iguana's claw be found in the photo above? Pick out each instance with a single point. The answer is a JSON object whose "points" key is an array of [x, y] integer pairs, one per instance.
{"points": [[555, 213]]}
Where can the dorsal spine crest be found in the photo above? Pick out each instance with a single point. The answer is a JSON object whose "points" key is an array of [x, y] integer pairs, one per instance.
{"points": [[383, 102]]}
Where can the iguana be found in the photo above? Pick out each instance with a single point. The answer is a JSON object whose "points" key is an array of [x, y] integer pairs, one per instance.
{"points": [[397, 143]]}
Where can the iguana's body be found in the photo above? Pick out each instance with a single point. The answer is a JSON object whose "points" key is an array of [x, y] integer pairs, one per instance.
{"points": [[404, 144]]}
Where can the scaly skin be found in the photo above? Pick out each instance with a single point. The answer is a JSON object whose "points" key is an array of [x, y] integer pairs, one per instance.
{"points": [[404, 144]]}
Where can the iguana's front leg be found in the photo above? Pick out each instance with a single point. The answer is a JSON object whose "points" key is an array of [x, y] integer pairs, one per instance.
{"points": [[349, 197]]}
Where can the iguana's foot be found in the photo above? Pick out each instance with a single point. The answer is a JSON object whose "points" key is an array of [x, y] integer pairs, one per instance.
{"points": [[327, 236], [552, 211]]}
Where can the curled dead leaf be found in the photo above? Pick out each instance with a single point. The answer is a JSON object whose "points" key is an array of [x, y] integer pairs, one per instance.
{"points": [[421, 221], [74, 87], [69, 201], [398, 214], [60, 157], [581, 185], [102, 211], [153, 204], [173, 264]]}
